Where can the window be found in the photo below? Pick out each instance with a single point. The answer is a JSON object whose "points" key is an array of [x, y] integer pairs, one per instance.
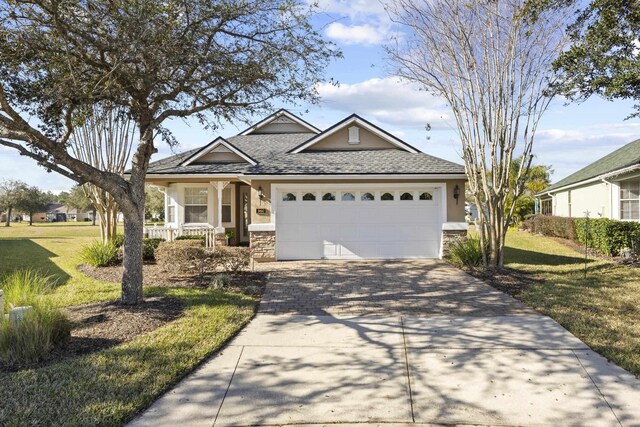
{"points": [[171, 213], [288, 197], [630, 200], [386, 196], [426, 196], [195, 205], [367, 197], [226, 205], [406, 196], [348, 197], [329, 196], [546, 207], [308, 197]]}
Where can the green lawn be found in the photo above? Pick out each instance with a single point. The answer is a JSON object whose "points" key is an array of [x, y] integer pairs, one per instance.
{"points": [[603, 310], [111, 386]]}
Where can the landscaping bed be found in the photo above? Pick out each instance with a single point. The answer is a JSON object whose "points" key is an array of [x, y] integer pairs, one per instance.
{"points": [[250, 283]]}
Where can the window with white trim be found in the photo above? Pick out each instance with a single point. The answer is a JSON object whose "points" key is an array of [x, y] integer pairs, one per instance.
{"points": [[426, 196], [226, 205], [171, 213], [329, 197], [367, 197], [195, 205], [288, 197], [406, 196], [630, 200], [386, 196], [309, 197]]}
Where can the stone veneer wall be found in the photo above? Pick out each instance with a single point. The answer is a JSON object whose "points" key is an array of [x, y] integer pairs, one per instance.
{"points": [[263, 245], [220, 240], [449, 236]]}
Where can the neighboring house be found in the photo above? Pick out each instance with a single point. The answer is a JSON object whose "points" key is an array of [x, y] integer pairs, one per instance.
{"points": [[609, 188], [295, 192], [57, 212]]}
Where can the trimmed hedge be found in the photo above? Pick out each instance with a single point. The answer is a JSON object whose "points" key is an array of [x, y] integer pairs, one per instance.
{"points": [[149, 247], [192, 237], [553, 226], [606, 236]]}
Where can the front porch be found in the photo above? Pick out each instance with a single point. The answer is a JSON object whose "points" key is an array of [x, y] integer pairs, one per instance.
{"points": [[218, 210]]}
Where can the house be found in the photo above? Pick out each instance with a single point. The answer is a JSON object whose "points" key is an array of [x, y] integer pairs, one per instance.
{"points": [[608, 187], [57, 212], [292, 191]]}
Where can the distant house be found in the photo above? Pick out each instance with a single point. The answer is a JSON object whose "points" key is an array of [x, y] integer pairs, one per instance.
{"points": [[608, 187], [57, 212]]}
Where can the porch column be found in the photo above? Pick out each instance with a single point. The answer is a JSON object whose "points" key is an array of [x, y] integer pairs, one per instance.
{"points": [[219, 185]]}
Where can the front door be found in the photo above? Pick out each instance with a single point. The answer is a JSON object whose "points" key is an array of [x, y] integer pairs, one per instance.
{"points": [[245, 212]]}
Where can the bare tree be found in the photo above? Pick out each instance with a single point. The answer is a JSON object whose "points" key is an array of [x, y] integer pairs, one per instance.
{"points": [[104, 140], [491, 61]]}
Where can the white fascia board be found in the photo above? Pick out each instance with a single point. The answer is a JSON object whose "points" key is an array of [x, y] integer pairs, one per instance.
{"points": [[218, 142], [277, 114], [366, 177], [389, 138]]}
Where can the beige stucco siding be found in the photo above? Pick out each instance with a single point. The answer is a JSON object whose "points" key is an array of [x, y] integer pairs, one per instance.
{"points": [[455, 212], [574, 202], [340, 141]]}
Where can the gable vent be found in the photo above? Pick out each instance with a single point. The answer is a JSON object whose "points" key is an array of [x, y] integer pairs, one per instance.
{"points": [[354, 135]]}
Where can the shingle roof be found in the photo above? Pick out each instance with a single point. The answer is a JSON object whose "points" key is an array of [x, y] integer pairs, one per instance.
{"points": [[624, 157], [271, 153]]}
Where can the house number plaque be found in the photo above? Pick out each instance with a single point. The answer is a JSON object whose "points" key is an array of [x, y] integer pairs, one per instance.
{"points": [[261, 211]]}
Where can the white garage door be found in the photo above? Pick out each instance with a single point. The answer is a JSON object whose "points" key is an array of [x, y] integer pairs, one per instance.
{"points": [[366, 222]]}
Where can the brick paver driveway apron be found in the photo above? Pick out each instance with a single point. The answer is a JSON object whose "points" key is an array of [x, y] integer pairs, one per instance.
{"points": [[398, 342]]}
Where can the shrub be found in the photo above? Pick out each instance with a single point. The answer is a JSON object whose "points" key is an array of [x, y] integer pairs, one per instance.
{"points": [[608, 236], [466, 252], [220, 281], [98, 254], [184, 256], [553, 226], [232, 259], [22, 287], [197, 237], [149, 247], [32, 339], [119, 240]]}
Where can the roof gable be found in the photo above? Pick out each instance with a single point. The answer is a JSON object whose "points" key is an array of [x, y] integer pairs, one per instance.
{"points": [[354, 133], [219, 151], [621, 158], [282, 121]]}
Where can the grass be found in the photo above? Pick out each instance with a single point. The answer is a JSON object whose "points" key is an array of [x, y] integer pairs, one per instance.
{"points": [[53, 249], [603, 310], [108, 387]]}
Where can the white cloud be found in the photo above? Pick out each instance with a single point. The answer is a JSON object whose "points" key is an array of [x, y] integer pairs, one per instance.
{"points": [[389, 100], [354, 9], [354, 34]]}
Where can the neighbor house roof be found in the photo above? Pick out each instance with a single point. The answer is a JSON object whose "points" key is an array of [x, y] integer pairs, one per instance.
{"points": [[276, 154], [622, 158]]}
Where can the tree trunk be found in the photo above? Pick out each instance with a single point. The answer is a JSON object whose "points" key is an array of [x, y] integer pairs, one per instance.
{"points": [[8, 222], [132, 261], [30, 218], [93, 217]]}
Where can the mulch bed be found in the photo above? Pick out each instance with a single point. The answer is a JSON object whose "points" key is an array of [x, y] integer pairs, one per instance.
{"points": [[507, 280], [250, 283], [98, 326]]}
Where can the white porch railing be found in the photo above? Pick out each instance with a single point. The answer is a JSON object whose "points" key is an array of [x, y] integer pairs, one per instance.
{"points": [[169, 234]]}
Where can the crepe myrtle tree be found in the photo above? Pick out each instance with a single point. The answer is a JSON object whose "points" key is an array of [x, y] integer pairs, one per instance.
{"points": [[159, 60], [491, 61]]}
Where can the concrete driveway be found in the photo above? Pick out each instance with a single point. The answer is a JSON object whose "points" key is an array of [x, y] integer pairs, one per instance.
{"points": [[413, 342]]}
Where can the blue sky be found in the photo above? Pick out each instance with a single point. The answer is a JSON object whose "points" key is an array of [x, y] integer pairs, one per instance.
{"points": [[569, 137]]}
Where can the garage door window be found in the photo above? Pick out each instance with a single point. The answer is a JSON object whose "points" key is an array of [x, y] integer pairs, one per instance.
{"points": [[329, 196], [406, 196], [367, 197], [426, 196], [386, 196], [309, 197], [348, 197], [288, 197]]}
